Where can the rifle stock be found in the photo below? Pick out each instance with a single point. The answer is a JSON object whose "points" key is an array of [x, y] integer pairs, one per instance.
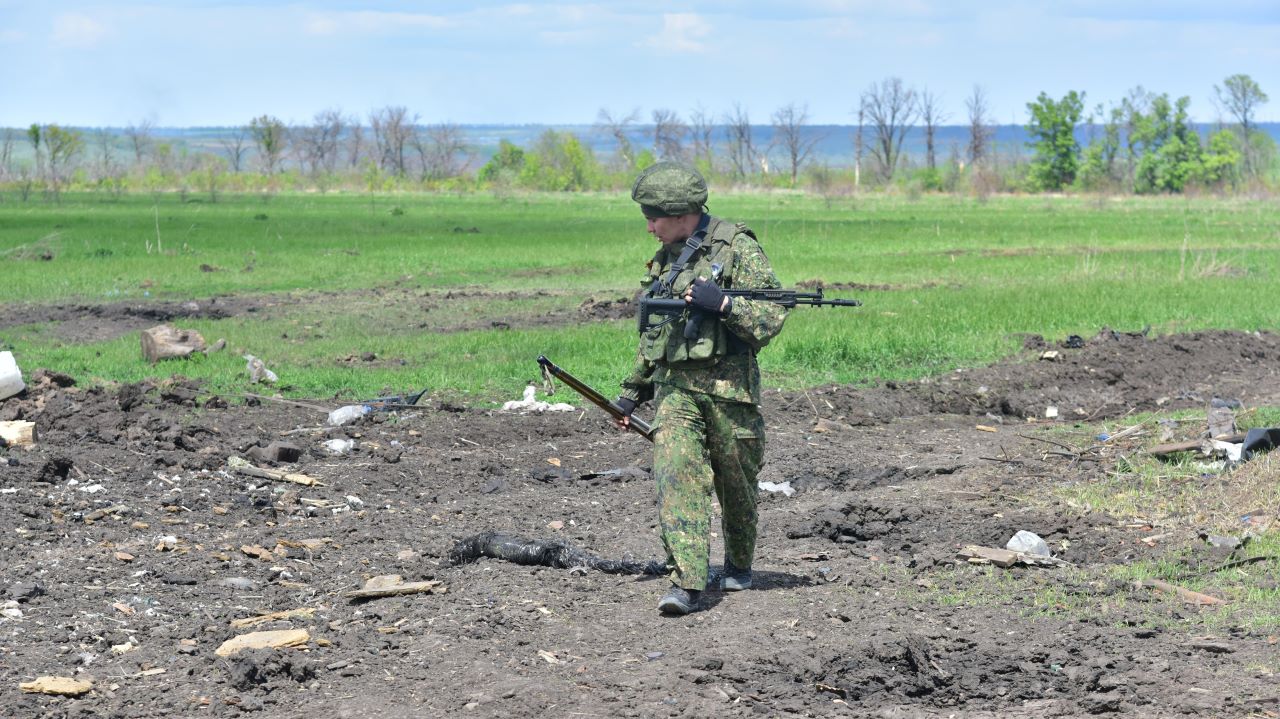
{"points": [[636, 424]]}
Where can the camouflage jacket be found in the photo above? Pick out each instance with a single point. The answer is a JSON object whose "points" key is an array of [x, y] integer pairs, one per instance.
{"points": [[721, 361]]}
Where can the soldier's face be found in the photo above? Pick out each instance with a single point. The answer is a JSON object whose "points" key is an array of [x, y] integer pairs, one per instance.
{"points": [[672, 229]]}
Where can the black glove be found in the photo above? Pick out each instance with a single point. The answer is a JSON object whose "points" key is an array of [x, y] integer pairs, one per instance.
{"points": [[708, 297], [627, 406]]}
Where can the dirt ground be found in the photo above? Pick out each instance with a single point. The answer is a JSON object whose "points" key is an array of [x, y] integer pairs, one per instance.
{"points": [[130, 548]]}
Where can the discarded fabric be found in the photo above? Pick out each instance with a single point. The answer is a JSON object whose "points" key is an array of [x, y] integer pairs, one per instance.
{"points": [[530, 404]]}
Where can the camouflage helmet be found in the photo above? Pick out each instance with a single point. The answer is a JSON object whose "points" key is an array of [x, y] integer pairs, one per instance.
{"points": [[669, 189]]}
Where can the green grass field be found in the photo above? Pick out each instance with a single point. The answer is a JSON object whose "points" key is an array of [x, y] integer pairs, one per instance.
{"points": [[947, 281]]}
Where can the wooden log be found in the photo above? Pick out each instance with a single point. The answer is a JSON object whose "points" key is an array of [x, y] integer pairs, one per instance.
{"points": [[1192, 445], [242, 466], [18, 433], [167, 342], [1185, 594]]}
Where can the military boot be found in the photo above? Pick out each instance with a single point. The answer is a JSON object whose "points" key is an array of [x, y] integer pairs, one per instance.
{"points": [[735, 579], [679, 600]]}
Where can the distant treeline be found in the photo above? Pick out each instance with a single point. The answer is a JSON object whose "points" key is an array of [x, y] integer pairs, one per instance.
{"points": [[1145, 143]]}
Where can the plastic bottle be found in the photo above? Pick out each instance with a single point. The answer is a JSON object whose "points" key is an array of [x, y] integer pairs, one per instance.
{"points": [[10, 376], [342, 415]]}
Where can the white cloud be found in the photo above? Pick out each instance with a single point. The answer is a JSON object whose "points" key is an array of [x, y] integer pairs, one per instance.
{"points": [[681, 32], [370, 22], [76, 30]]}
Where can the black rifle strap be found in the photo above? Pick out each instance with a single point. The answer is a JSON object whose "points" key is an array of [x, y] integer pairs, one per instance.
{"points": [[691, 245]]}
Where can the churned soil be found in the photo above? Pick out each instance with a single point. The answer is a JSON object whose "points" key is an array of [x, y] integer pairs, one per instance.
{"points": [[130, 547]]}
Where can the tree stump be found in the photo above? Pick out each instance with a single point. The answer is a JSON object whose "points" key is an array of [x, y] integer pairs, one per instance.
{"points": [[166, 342]]}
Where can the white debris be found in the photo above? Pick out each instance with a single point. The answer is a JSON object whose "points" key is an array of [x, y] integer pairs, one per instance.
{"points": [[342, 415], [338, 446], [258, 372], [784, 487], [530, 404], [1027, 542]]}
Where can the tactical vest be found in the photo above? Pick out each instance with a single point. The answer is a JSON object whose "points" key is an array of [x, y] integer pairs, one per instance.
{"points": [[666, 344]]}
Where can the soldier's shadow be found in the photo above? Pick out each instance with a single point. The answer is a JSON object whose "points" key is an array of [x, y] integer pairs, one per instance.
{"points": [[762, 580]]}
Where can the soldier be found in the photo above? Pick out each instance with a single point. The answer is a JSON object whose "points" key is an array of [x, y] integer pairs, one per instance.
{"points": [[701, 371]]}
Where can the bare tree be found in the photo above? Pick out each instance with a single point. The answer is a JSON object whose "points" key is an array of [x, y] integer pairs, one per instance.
{"points": [[742, 149], [931, 115], [355, 143], [236, 145], [442, 151], [616, 127], [317, 143], [6, 152], [668, 134], [859, 146], [107, 168], [701, 127], [978, 110], [892, 108], [393, 129], [140, 140], [271, 137], [788, 134]]}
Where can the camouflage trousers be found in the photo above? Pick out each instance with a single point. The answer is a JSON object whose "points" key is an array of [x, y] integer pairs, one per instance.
{"points": [[703, 445]]}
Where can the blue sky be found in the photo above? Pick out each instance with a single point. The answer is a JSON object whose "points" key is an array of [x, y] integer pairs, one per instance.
{"points": [[195, 63]]}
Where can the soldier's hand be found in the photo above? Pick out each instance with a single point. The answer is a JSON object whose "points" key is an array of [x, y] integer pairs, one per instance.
{"points": [[708, 297], [627, 405]]}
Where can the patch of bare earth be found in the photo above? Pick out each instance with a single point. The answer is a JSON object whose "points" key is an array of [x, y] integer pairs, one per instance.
{"points": [[130, 548]]}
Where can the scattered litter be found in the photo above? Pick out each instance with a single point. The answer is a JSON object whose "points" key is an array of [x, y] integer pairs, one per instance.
{"points": [[300, 613], [985, 428], [1222, 541], [530, 404], [784, 487], [258, 372], [391, 585], [974, 554], [338, 446], [169, 342], [241, 465], [394, 402], [10, 376], [275, 639], [355, 503], [342, 415], [1051, 412], [1049, 355], [1073, 342], [1028, 542], [64, 686]]}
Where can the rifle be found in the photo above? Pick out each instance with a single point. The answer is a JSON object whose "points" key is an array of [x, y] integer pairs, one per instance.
{"points": [[673, 308], [640, 426]]}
